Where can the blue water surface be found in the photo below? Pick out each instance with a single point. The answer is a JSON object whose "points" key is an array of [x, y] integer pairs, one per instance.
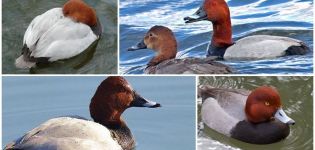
{"points": [[29, 101], [290, 18]]}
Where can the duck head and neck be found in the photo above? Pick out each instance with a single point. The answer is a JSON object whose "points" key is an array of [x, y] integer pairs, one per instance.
{"points": [[263, 105], [216, 11], [160, 39], [79, 11], [266, 121], [113, 96]]}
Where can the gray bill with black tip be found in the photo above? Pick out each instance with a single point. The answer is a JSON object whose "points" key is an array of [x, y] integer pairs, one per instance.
{"points": [[139, 101], [140, 45], [199, 15]]}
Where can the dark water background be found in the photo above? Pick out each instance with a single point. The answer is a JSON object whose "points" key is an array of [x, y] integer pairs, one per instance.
{"points": [[29, 101], [18, 14], [291, 18], [297, 99]]}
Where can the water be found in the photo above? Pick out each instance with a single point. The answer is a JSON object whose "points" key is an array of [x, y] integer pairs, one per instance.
{"points": [[29, 101], [291, 18], [17, 15], [297, 100]]}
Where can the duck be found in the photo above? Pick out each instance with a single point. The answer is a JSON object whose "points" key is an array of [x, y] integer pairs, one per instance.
{"points": [[107, 130], [162, 40], [255, 116], [255, 47], [59, 34]]}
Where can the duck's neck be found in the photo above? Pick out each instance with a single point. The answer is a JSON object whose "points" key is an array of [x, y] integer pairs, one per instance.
{"points": [[108, 117], [119, 130], [123, 136], [221, 38], [222, 33]]}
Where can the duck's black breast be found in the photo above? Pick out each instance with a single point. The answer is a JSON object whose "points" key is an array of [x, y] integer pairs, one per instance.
{"points": [[98, 28], [216, 51], [261, 133]]}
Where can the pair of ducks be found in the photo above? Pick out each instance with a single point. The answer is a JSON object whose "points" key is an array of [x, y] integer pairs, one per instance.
{"points": [[162, 40]]}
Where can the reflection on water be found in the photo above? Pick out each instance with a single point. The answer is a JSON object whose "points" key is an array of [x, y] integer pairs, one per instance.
{"points": [[297, 100], [17, 15], [291, 18], [29, 101]]}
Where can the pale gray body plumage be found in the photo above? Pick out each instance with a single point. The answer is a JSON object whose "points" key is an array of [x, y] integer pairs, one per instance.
{"points": [[229, 104], [260, 47]]}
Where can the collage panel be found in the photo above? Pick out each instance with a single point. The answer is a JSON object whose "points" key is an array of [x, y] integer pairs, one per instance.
{"points": [[59, 37], [157, 74], [63, 110], [252, 112], [216, 37]]}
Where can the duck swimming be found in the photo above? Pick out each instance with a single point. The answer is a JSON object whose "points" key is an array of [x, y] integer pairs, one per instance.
{"points": [[162, 40], [251, 116], [248, 48], [108, 131], [59, 33]]}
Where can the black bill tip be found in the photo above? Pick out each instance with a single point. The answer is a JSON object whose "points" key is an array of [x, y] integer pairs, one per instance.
{"points": [[188, 19], [140, 45], [156, 105]]}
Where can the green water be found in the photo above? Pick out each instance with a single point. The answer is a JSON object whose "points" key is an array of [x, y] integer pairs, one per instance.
{"points": [[17, 15], [296, 95]]}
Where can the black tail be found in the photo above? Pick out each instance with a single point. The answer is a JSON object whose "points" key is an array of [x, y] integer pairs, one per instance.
{"points": [[297, 50]]}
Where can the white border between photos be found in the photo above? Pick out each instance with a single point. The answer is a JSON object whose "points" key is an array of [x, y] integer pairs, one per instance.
{"points": [[118, 73]]}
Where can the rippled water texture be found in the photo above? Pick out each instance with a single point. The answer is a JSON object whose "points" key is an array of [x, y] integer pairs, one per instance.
{"points": [[297, 100], [291, 18], [171, 126], [18, 14]]}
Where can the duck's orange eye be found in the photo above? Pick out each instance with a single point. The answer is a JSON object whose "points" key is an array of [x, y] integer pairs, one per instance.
{"points": [[267, 103]]}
